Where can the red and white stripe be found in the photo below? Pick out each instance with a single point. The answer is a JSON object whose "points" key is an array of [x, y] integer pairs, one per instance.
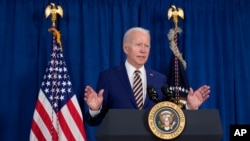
{"points": [[66, 125]]}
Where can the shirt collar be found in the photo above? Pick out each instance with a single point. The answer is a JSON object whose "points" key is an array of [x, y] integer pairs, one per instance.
{"points": [[131, 69]]}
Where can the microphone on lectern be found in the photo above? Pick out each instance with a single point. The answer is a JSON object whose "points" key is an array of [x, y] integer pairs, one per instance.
{"points": [[169, 96], [152, 94]]}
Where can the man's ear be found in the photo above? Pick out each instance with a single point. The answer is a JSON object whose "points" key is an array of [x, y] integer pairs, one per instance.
{"points": [[125, 48]]}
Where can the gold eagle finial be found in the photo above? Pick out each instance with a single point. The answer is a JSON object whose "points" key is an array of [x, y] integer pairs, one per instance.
{"points": [[175, 12], [53, 10]]}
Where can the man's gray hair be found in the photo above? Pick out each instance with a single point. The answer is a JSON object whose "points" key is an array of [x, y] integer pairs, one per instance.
{"points": [[128, 32]]}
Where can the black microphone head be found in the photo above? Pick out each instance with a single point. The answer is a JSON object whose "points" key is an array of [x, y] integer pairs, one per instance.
{"points": [[152, 94], [168, 93], [165, 89]]}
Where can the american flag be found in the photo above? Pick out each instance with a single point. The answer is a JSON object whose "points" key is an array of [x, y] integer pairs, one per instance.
{"points": [[57, 115]]}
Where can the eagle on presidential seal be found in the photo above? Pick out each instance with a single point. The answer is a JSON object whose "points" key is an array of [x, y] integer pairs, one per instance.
{"points": [[166, 121]]}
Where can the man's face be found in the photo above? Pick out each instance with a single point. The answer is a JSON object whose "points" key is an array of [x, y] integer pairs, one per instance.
{"points": [[137, 49]]}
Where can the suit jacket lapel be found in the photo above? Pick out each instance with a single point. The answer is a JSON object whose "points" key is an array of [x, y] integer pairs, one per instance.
{"points": [[150, 77], [125, 82]]}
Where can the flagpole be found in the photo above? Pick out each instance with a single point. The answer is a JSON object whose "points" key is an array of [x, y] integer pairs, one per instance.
{"points": [[53, 10], [173, 37]]}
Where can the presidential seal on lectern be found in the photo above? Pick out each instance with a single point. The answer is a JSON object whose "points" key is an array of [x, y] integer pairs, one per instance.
{"points": [[166, 120]]}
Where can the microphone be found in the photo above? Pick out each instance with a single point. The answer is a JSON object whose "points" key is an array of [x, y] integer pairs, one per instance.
{"points": [[168, 93], [152, 94]]}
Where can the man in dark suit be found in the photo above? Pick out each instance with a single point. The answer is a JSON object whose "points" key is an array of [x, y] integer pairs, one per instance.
{"points": [[115, 85]]}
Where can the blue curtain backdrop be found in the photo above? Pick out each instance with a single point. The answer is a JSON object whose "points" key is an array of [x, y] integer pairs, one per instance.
{"points": [[214, 42]]}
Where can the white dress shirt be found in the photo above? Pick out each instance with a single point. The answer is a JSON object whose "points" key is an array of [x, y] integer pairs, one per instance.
{"points": [[130, 71]]}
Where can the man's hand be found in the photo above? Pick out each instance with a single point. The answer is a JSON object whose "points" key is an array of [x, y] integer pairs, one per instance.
{"points": [[195, 99], [93, 100]]}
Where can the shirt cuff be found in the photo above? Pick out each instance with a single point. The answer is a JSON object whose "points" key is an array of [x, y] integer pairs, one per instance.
{"points": [[186, 106], [94, 113]]}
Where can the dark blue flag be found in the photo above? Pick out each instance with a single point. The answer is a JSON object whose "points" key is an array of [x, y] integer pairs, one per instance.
{"points": [[176, 76]]}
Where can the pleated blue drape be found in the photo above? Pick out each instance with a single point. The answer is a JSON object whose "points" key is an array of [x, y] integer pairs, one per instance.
{"points": [[214, 42]]}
